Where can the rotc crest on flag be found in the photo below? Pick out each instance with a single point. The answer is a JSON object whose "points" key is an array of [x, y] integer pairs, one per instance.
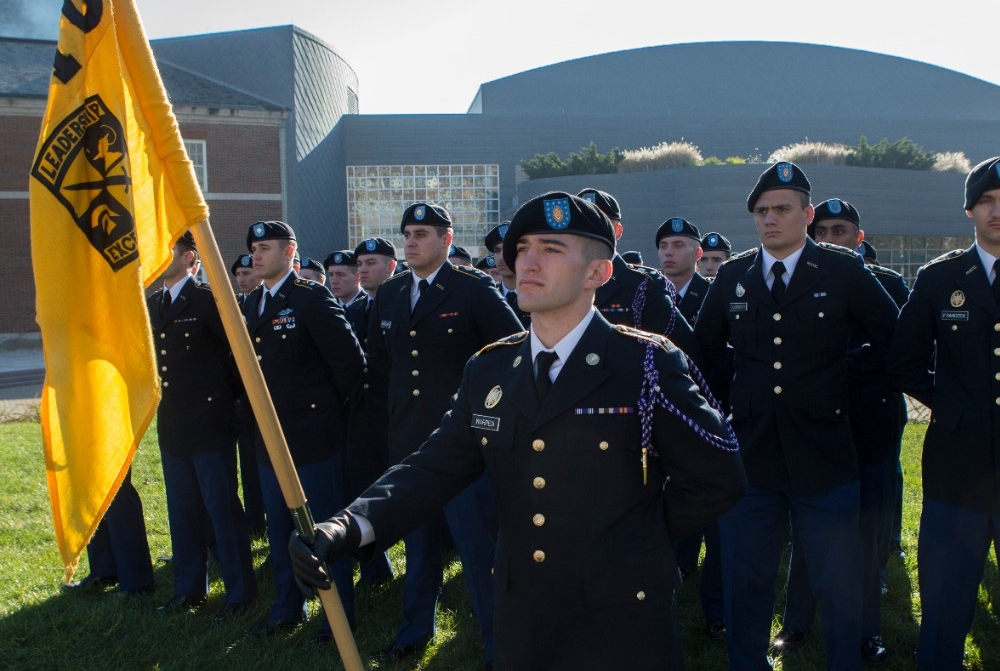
{"points": [[84, 163], [557, 213]]}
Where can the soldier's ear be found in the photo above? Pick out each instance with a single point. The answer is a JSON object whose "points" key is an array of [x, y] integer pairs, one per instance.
{"points": [[600, 273]]}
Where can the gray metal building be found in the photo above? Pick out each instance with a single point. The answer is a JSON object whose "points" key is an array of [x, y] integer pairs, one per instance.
{"points": [[346, 175]]}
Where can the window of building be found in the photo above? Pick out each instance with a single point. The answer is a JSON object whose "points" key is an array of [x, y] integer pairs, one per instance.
{"points": [[378, 194], [199, 158], [352, 101], [907, 253]]}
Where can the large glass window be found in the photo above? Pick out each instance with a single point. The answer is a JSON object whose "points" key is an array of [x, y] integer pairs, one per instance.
{"points": [[906, 253], [378, 194]]}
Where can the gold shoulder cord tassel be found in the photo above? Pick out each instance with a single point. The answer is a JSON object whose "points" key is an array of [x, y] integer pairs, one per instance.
{"points": [[645, 464]]}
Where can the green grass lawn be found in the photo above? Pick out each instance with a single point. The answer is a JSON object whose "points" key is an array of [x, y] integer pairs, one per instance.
{"points": [[41, 628]]}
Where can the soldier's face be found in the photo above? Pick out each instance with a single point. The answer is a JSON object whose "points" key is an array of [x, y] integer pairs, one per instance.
{"points": [[272, 259], [246, 281], [985, 215], [373, 269], [554, 273], [343, 281], [506, 274], [182, 263], [495, 274], [708, 264], [839, 232], [782, 220], [312, 275], [426, 246], [677, 256]]}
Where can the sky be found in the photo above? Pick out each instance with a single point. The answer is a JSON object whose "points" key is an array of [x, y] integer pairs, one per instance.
{"points": [[430, 57]]}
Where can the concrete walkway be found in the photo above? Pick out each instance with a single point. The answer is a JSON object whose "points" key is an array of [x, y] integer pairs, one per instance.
{"points": [[22, 372]]}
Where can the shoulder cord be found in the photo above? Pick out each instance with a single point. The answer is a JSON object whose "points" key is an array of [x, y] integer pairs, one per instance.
{"points": [[651, 397], [639, 305]]}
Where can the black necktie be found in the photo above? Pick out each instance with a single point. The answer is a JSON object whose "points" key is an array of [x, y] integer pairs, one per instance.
{"points": [[165, 303], [544, 360], [267, 299], [778, 288], [421, 287], [996, 281]]}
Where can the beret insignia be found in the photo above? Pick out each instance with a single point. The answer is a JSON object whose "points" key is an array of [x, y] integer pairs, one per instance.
{"points": [[557, 213], [785, 172]]}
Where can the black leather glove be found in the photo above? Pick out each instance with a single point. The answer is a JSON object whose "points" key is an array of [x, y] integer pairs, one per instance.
{"points": [[336, 537]]}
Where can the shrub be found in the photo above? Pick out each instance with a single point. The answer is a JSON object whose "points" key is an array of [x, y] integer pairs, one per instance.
{"points": [[904, 154], [587, 161], [812, 152], [661, 157], [952, 161]]}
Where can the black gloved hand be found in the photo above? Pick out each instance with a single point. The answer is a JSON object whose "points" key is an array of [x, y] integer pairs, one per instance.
{"points": [[336, 537]]}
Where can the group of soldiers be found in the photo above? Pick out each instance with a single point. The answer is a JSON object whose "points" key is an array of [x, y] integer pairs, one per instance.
{"points": [[576, 425]]}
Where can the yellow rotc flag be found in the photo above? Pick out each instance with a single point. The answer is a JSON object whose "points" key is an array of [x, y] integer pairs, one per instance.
{"points": [[111, 189]]}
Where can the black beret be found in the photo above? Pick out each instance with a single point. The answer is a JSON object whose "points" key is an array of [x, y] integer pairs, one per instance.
{"points": [[984, 177], [344, 257], [866, 251], [487, 262], [460, 252], [496, 234], [716, 242], [783, 175], [186, 241], [312, 264], [633, 257], [677, 227], [269, 230], [375, 246], [557, 212], [242, 261], [835, 208], [604, 201], [425, 213]]}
